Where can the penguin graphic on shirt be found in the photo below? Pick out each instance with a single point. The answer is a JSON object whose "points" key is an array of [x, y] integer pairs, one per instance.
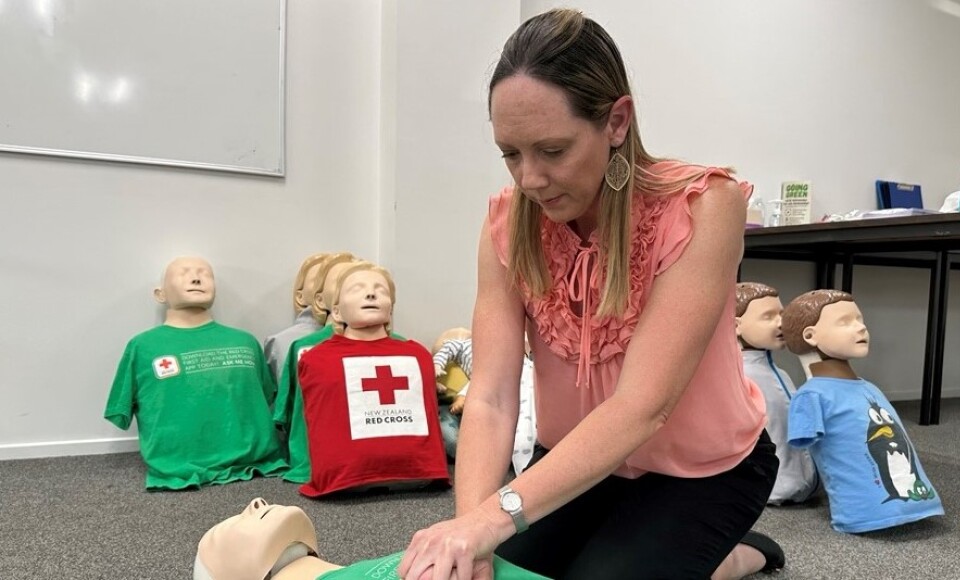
{"points": [[895, 457]]}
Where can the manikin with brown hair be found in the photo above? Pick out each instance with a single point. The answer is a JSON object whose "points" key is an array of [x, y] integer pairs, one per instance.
{"points": [[370, 400], [870, 469], [621, 267], [758, 330]]}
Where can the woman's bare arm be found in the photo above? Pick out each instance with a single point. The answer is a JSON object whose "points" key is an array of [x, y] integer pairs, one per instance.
{"points": [[487, 430]]}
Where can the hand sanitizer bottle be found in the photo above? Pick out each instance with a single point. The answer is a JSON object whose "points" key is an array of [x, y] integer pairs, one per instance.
{"points": [[755, 213], [773, 218]]}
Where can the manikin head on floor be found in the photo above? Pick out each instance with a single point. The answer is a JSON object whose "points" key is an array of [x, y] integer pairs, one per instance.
{"points": [[262, 540]]}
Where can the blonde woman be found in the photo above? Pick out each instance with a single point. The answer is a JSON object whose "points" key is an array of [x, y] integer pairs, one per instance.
{"points": [[622, 269]]}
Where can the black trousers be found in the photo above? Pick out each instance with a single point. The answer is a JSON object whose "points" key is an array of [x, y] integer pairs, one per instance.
{"points": [[655, 526]]}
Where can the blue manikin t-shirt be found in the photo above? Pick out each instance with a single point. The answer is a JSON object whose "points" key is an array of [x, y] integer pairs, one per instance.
{"points": [[869, 467]]}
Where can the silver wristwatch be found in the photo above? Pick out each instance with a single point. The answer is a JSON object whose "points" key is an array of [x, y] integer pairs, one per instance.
{"points": [[512, 503]]}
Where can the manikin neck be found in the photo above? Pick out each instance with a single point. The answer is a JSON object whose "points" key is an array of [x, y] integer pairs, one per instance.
{"points": [[302, 568], [367, 333], [816, 366], [187, 317]]}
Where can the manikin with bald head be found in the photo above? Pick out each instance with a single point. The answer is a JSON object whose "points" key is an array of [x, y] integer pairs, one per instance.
{"points": [[200, 391], [280, 542], [870, 468], [370, 400], [187, 290], [758, 332]]}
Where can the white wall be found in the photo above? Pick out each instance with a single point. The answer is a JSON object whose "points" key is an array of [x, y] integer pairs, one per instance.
{"points": [[389, 155], [840, 93], [83, 243], [445, 164]]}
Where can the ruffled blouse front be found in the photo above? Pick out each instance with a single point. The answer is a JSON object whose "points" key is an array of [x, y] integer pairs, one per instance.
{"points": [[578, 357], [577, 278]]}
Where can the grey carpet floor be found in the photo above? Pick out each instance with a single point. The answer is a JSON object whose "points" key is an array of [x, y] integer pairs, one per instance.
{"points": [[89, 518]]}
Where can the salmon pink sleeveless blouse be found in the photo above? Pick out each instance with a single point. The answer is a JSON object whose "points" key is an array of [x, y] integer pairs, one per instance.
{"points": [[578, 359]]}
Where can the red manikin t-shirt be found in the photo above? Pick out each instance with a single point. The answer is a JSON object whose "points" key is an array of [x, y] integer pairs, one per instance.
{"points": [[371, 413]]}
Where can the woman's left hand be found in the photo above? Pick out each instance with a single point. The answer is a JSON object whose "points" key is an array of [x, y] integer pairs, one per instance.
{"points": [[449, 547]]}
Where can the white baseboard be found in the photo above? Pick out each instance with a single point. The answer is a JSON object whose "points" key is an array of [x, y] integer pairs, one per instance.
{"points": [[68, 448], [914, 394]]}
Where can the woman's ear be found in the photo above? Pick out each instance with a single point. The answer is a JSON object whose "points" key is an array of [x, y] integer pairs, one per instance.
{"points": [[619, 120]]}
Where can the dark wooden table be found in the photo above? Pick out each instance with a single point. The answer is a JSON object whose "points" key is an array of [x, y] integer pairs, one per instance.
{"points": [[915, 241]]}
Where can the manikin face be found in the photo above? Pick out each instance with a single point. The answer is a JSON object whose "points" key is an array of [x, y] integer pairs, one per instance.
{"points": [[327, 297], [187, 283], [759, 326], [305, 295], [364, 300], [556, 158], [247, 546], [840, 333]]}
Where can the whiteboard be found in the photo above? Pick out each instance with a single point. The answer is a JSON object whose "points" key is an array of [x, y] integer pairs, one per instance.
{"points": [[191, 83]]}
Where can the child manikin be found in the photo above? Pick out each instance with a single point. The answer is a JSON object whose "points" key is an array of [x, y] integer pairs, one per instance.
{"points": [[870, 469], [288, 409], [200, 391], [370, 400], [275, 347], [758, 331]]}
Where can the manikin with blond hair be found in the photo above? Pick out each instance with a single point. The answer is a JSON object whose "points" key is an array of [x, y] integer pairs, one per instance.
{"points": [[275, 346], [369, 399], [200, 391], [759, 334], [288, 410]]}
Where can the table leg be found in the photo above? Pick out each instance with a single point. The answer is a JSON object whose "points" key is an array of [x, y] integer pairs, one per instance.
{"points": [[846, 283], [936, 331], [826, 274]]}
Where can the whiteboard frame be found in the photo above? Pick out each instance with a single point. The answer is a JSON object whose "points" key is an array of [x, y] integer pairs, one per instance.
{"points": [[117, 157]]}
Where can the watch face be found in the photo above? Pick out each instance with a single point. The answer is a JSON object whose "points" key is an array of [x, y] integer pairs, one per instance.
{"points": [[510, 501]]}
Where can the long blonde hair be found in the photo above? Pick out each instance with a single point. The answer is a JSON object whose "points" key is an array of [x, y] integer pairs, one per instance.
{"points": [[572, 52]]}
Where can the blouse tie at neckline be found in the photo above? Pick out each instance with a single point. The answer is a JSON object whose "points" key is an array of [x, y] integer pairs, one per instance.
{"points": [[581, 279]]}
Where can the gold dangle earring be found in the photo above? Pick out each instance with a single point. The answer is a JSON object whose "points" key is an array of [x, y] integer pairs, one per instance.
{"points": [[618, 171]]}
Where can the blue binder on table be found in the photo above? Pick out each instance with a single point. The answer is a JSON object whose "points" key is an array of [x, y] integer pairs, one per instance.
{"points": [[891, 194]]}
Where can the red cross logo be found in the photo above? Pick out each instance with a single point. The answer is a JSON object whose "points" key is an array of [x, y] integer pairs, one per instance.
{"points": [[165, 363], [386, 385]]}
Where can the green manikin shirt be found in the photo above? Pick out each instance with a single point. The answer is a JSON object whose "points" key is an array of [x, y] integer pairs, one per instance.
{"points": [[288, 410], [201, 397], [385, 568]]}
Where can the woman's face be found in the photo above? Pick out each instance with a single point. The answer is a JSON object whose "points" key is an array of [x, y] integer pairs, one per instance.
{"points": [[557, 158]]}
